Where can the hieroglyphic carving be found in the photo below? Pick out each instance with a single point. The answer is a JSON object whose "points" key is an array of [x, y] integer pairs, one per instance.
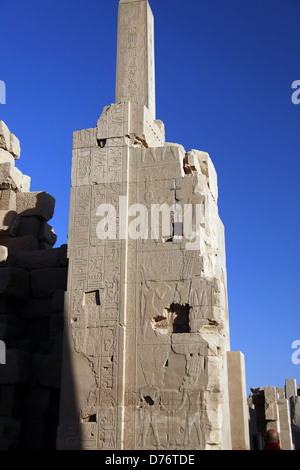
{"points": [[135, 55], [145, 315]]}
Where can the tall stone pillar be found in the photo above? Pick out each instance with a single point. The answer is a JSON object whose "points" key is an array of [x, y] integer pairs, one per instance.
{"points": [[135, 54], [146, 320], [239, 412]]}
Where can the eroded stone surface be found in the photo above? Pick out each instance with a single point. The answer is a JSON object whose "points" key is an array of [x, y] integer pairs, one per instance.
{"points": [[146, 308]]}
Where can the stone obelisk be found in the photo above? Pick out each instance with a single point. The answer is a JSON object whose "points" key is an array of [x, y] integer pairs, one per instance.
{"points": [[135, 54], [147, 330]]}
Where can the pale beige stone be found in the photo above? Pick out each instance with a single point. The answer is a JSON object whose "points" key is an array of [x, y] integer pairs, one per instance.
{"points": [[44, 282], [135, 55], [3, 254], [6, 157], [36, 203], [270, 394], [290, 388], [14, 282], [147, 328], [12, 178], [286, 441], [239, 415], [47, 234], [4, 136], [7, 200], [15, 148]]}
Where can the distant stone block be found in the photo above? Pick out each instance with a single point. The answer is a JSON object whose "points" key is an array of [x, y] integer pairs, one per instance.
{"points": [[290, 388], [6, 157], [29, 226]]}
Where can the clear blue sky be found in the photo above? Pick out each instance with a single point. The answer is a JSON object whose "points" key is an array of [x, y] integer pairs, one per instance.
{"points": [[224, 70]]}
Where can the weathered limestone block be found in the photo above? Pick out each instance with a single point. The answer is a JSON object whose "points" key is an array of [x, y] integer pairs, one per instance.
{"points": [[271, 411], [37, 329], [270, 394], [290, 388], [6, 257], [239, 415], [10, 327], [10, 305], [192, 163], [9, 141], [36, 308], [20, 244], [17, 368], [9, 223], [273, 425], [146, 316], [44, 282], [36, 203], [58, 300], [136, 83], [50, 371], [47, 234], [29, 226], [208, 169], [56, 257], [10, 428], [15, 148], [132, 120], [12, 178], [6, 157], [8, 201], [286, 442], [4, 136], [14, 282], [11, 400]]}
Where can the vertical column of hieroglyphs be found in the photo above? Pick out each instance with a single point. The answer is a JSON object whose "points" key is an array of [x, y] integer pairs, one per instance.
{"points": [[176, 325], [96, 286], [135, 54]]}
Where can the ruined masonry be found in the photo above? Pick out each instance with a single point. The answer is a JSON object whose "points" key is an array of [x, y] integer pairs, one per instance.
{"points": [[146, 351], [33, 278], [275, 408]]}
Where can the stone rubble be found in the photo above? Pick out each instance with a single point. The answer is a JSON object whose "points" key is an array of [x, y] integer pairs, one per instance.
{"points": [[33, 279], [275, 408]]}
